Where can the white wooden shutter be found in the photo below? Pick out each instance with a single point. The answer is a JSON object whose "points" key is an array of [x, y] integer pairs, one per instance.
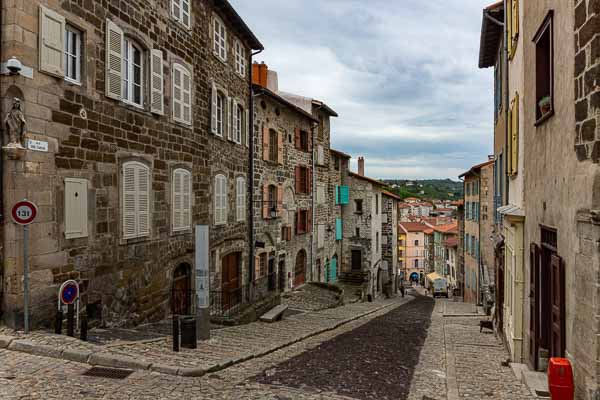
{"points": [[213, 110], [224, 199], [228, 117], [76, 214], [143, 200], [129, 201], [241, 199], [187, 97], [157, 82], [247, 129], [114, 61], [187, 200], [51, 42], [177, 93], [177, 200], [234, 121], [217, 205]]}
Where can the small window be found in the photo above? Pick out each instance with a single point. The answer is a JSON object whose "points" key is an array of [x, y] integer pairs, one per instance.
{"points": [[73, 46], [262, 267], [180, 9], [219, 39], [376, 204], [544, 70], [302, 222], [376, 241], [304, 141], [357, 232], [133, 73], [416, 242], [240, 58], [416, 263], [221, 104], [358, 206], [272, 197], [321, 127], [182, 195], [273, 146], [302, 180], [220, 190], [240, 199]]}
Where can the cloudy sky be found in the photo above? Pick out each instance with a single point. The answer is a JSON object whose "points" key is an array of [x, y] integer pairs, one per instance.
{"points": [[402, 75]]}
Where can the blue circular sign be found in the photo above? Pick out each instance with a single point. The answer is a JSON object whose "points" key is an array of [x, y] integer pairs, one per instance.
{"points": [[69, 292], [414, 276]]}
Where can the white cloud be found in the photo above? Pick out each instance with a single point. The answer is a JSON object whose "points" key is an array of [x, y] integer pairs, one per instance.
{"points": [[402, 75]]}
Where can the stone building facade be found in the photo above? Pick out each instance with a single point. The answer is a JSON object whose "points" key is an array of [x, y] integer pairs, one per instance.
{"points": [[121, 97], [389, 240], [284, 199], [362, 222], [338, 166]]}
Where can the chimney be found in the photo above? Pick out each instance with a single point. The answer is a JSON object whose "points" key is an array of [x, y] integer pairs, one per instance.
{"points": [[361, 166], [272, 81], [260, 73]]}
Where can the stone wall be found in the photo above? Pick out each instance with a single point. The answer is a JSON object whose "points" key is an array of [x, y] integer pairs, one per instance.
{"points": [[587, 70], [389, 231], [471, 264], [89, 137]]}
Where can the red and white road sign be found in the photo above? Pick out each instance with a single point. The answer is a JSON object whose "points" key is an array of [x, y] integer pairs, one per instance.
{"points": [[24, 212]]}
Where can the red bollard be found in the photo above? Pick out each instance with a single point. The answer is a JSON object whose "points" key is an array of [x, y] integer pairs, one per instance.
{"points": [[560, 379]]}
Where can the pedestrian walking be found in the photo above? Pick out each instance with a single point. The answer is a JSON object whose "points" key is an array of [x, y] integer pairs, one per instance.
{"points": [[402, 289]]}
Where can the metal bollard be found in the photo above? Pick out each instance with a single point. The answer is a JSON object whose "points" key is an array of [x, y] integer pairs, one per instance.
{"points": [[175, 333], [58, 322], [84, 328], [71, 321]]}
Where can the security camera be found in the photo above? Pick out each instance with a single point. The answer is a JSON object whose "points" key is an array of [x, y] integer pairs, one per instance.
{"points": [[14, 66]]}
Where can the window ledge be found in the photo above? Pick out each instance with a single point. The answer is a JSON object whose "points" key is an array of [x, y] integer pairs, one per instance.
{"points": [[544, 118], [72, 82], [134, 240], [180, 232], [218, 57]]}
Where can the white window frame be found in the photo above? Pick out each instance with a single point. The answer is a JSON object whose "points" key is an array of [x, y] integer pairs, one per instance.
{"points": [[238, 122], [178, 203], [220, 196], [221, 113], [183, 72], [73, 33], [129, 46], [240, 184], [179, 14], [219, 38], [241, 63]]}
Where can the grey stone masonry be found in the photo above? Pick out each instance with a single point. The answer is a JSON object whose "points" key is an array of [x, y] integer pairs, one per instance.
{"points": [[587, 73]]}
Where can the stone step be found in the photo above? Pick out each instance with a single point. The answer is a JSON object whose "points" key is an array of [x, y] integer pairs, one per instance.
{"points": [[274, 314]]}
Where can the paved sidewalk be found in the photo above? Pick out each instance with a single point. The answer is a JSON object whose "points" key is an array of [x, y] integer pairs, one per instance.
{"points": [[227, 346]]}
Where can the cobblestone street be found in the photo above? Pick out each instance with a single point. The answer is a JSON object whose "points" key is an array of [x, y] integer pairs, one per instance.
{"points": [[397, 352]]}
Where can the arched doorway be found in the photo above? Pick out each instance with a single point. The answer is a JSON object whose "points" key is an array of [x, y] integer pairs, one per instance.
{"points": [[181, 291], [230, 280], [300, 268]]}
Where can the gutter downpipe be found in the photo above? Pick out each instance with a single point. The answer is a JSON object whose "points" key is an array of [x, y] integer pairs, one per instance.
{"points": [[506, 99], [313, 203], [250, 196]]}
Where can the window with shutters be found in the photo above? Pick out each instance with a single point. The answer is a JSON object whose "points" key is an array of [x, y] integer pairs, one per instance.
{"points": [[240, 199], [303, 178], [304, 141], [73, 47], [51, 42], [219, 38], [182, 200], [241, 64], [302, 221], [544, 70], [133, 73], [272, 201], [180, 10], [220, 200], [513, 26], [273, 145], [135, 200], [182, 94]]}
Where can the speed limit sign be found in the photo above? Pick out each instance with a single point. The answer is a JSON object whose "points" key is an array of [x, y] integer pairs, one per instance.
{"points": [[24, 212]]}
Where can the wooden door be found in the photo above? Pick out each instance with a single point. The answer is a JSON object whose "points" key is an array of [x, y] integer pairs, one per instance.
{"points": [[282, 277], [230, 292], [181, 291], [356, 260], [333, 270], [557, 340], [534, 269], [300, 268]]}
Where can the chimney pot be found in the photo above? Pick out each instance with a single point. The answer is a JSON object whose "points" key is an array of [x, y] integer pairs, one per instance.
{"points": [[361, 166]]}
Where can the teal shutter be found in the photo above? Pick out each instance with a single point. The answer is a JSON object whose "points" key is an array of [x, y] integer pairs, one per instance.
{"points": [[337, 195], [333, 270], [338, 229], [344, 195]]}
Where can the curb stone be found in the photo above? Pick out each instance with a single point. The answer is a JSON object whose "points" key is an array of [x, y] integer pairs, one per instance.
{"points": [[107, 360]]}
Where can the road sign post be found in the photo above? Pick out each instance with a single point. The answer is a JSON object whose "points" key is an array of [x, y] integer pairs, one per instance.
{"points": [[24, 213]]}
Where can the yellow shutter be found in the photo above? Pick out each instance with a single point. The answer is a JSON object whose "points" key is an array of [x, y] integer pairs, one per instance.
{"points": [[114, 61], [51, 38], [515, 136], [515, 22], [509, 144], [508, 25]]}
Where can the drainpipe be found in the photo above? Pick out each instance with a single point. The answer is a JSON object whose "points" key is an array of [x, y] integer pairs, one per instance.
{"points": [[506, 97], [313, 203], [250, 195]]}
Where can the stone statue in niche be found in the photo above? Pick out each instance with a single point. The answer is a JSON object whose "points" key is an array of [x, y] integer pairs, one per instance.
{"points": [[15, 124]]}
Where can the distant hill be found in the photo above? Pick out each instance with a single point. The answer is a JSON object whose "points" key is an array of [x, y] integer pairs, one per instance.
{"points": [[427, 189]]}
